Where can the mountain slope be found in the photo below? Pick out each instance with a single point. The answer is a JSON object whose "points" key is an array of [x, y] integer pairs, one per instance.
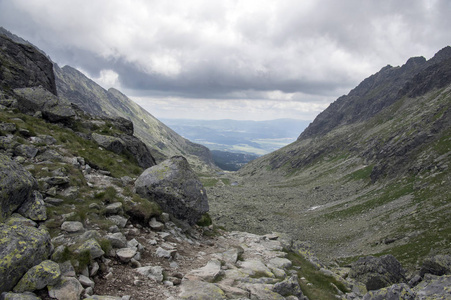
{"points": [[164, 142], [369, 175]]}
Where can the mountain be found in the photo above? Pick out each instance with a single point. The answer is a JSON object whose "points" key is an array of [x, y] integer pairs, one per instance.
{"points": [[76, 88], [370, 175]]}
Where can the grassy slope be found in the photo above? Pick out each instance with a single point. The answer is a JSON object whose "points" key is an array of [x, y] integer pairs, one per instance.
{"points": [[332, 201]]}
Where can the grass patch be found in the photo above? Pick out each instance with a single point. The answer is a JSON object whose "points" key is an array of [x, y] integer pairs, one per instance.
{"points": [[320, 286]]}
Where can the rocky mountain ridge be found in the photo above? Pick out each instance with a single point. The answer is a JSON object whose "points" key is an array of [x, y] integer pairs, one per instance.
{"points": [[163, 142], [74, 222]]}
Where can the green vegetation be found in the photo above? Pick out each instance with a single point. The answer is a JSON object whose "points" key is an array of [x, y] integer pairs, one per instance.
{"points": [[205, 220], [315, 285]]}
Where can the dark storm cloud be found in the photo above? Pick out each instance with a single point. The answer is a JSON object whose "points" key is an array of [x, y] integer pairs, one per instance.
{"points": [[232, 49]]}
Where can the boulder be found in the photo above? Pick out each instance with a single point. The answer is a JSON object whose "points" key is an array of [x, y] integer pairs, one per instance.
{"points": [[176, 188], [113, 208], [110, 143], [394, 292], [16, 185], [32, 99], [434, 287], [436, 265], [377, 272], [117, 239], [209, 273], [125, 254], [93, 247], [69, 288], [201, 290], [72, 226], [38, 277], [23, 65], [35, 208], [138, 150], [19, 296], [21, 248], [289, 286]]}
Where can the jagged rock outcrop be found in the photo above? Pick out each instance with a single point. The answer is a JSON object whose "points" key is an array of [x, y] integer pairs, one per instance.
{"points": [[24, 66], [16, 186], [377, 272], [176, 188]]}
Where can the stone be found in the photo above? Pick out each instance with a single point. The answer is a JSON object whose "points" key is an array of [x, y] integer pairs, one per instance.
{"points": [[255, 267], [176, 188], [281, 263], [118, 220], [72, 226], [110, 143], [232, 292], [436, 265], [395, 292], [56, 180], [138, 150], [263, 291], [160, 252], [68, 289], [94, 269], [86, 281], [118, 240], [114, 208], [96, 297], [93, 247], [193, 290], [8, 127], [16, 184], [38, 277], [26, 151], [209, 273], [34, 208], [21, 248], [17, 219], [154, 273], [377, 272], [434, 287], [289, 286], [66, 268], [125, 254], [19, 296], [231, 256], [155, 225]]}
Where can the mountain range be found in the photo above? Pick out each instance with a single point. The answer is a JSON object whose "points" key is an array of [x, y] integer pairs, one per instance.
{"points": [[369, 176]]}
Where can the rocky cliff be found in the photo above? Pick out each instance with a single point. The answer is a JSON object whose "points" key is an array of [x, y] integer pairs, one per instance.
{"points": [[92, 98]]}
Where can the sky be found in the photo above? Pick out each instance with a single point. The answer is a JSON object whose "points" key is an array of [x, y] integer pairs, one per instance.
{"points": [[231, 59]]}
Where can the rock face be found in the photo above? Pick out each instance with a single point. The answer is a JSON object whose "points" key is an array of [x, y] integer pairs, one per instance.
{"points": [[25, 66], [16, 186], [176, 188], [377, 272], [21, 248]]}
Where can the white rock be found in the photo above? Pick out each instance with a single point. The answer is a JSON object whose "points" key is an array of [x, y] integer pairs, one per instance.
{"points": [[125, 254], [72, 226]]}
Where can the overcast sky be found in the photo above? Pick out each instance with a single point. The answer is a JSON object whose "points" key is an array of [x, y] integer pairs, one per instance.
{"points": [[231, 59]]}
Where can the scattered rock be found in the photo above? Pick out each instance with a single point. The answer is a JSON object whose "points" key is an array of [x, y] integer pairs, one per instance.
{"points": [[201, 290], [93, 247], [209, 273], [154, 273], [72, 226], [436, 265], [117, 240], [396, 291], [125, 254]]}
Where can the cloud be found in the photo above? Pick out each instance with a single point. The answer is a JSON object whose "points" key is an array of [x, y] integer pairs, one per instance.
{"points": [[307, 51]]}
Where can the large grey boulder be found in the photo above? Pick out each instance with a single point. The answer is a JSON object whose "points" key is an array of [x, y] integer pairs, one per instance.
{"points": [[378, 272], [25, 66], [110, 143], [38, 277], [16, 186], [436, 265], [32, 99], [21, 248], [176, 188]]}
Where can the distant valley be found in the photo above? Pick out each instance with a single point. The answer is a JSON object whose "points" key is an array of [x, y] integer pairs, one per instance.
{"points": [[234, 143]]}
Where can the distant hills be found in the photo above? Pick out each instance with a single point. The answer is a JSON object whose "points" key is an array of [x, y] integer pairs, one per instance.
{"points": [[246, 137]]}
